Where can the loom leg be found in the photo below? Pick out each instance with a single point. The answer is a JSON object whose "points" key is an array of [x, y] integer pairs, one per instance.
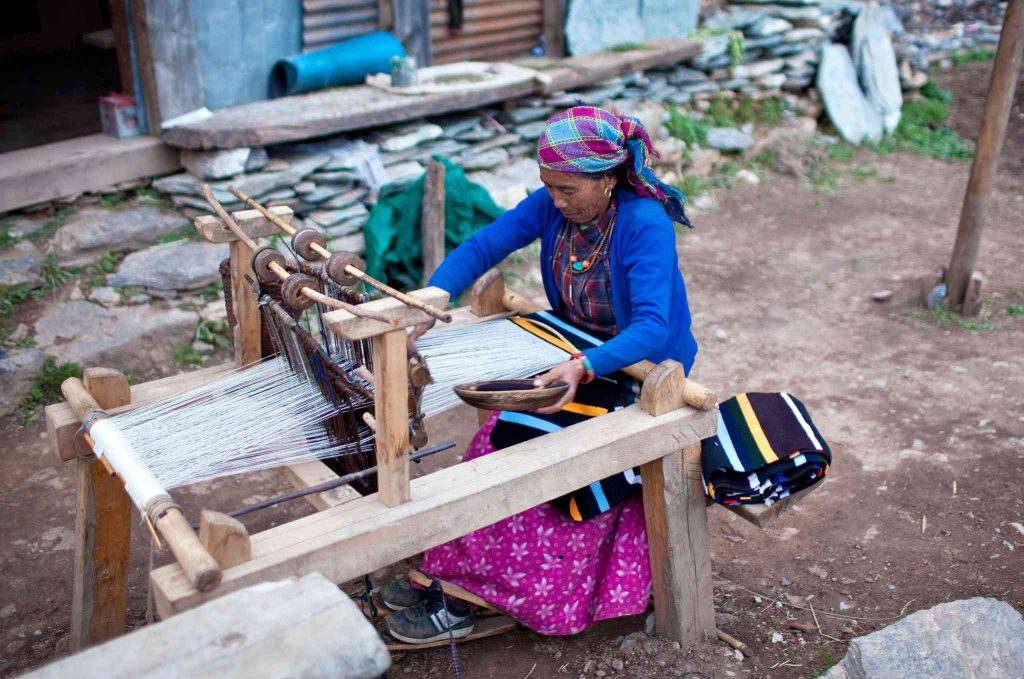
{"points": [[102, 533], [677, 536], [391, 411], [247, 334]]}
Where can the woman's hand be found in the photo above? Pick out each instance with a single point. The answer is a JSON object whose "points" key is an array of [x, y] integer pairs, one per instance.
{"points": [[570, 372], [418, 331]]}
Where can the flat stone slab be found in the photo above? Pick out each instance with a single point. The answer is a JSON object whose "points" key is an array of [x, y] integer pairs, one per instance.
{"points": [[969, 639], [176, 266], [92, 231], [17, 371], [20, 264], [130, 337], [853, 115]]}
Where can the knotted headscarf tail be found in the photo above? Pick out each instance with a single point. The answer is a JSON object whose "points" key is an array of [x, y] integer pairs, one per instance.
{"points": [[588, 140]]}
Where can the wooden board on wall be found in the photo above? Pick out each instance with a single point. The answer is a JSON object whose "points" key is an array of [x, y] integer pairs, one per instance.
{"points": [[491, 30]]}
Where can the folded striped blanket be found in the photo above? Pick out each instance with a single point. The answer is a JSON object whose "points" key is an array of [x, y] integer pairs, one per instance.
{"points": [[766, 448]]}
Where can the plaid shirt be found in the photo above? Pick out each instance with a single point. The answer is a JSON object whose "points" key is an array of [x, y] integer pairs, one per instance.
{"points": [[590, 306]]}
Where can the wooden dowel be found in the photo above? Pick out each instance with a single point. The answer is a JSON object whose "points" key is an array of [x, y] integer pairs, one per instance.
{"points": [[370, 421], [428, 309], [351, 308]]}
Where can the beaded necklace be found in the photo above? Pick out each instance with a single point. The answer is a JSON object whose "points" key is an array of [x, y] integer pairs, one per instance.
{"points": [[579, 267]]}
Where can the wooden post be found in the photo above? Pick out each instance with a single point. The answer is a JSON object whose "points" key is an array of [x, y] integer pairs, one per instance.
{"points": [[487, 295], [102, 533], [554, 28], [432, 219], [122, 45], [390, 385], [677, 536], [986, 157], [248, 331]]}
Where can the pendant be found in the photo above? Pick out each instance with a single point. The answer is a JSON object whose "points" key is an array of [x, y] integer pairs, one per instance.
{"points": [[578, 266]]}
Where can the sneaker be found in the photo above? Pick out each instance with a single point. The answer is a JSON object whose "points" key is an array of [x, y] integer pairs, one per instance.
{"points": [[400, 595], [433, 619]]}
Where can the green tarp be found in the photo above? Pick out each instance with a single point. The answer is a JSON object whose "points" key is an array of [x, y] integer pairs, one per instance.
{"points": [[393, 244]]}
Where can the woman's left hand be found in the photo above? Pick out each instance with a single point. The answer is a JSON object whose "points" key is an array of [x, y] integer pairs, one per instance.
{"points": [[570, 372]]}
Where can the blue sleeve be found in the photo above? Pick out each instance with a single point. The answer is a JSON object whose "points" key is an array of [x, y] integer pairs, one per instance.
{"points": [[651, 263], [515, 229]]}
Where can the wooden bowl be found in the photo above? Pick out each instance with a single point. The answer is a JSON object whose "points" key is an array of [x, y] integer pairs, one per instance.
{"points": [[519, 395]]}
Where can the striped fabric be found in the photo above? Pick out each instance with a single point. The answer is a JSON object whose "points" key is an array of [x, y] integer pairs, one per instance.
{"points": [[603, 395], [766, 448]]}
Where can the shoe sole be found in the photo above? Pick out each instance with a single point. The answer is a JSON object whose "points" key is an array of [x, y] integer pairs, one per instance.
{"points": [[457, 633]]}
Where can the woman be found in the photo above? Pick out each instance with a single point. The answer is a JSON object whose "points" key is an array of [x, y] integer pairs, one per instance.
{"points": [[611, 276]]}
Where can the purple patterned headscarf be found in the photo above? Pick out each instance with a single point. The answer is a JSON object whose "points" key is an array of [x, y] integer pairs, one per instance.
{"points": [[590, 140]]}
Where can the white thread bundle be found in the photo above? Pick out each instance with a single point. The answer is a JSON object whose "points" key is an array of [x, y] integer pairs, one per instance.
{"points": [[267, 415]]}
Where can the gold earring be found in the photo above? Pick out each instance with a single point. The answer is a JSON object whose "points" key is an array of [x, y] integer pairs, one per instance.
{"points": [[607, 190]]}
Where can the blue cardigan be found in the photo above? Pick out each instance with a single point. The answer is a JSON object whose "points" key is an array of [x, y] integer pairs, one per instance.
{"points": [[648, 292]]}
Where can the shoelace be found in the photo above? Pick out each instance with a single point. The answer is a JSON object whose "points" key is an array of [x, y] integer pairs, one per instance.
{"points": [[434, 591]]}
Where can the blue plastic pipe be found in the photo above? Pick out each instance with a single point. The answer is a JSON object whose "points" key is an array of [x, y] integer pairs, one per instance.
{"points": [[346, 63]]}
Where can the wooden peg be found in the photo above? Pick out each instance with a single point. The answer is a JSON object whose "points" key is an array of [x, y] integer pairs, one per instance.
{"points": [[225, 538]]}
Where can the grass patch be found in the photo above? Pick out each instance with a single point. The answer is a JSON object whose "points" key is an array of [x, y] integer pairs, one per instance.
{"points": [[947, 318], [863, 173], [1016, 310], [96, 274], [687, 128], [111, 201], [185, 356], [841, 151], [972, 55], [922, 130], [212, 291], [54, 275], [187, 232], [60, 216], [933, 91], [6, 239], [46, 385], [216, 333], [154, 198], [627, 47], [693, 186], [824, 180]]}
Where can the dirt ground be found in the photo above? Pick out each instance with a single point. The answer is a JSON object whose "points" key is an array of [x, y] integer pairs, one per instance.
{"points": [[925, 415]]}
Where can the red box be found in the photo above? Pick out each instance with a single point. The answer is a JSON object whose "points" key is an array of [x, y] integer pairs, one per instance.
{"points": [[118, 115]]}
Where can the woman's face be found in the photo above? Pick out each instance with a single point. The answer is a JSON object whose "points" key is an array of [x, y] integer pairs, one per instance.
{"points": [[579, 198]]}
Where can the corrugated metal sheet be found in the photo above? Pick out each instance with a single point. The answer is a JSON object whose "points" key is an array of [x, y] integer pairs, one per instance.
{"points": [[492, 30], [325, 22]]}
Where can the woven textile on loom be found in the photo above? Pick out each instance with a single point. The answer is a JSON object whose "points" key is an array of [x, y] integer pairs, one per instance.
{"points": [[766, 448], [603, 395]]}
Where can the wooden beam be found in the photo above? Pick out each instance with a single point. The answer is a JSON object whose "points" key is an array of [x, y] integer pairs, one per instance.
{"points": [[99, 589], [365, 534], [248, 331], [225, 538], [308, 474], [352, 327], [998, 104], [252, 223], [432, 219], [391, 411], [295, 628], [165, 39], [122, 45], [677, 535], [554, 28]]}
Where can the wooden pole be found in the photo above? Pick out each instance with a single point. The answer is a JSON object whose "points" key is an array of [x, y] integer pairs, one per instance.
{"points": [[391, 385], [554, 27], [102, 533], [432, 219], [986, 157]]}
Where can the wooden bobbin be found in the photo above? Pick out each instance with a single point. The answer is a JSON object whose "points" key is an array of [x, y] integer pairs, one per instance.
{"points": [[339, 262], [292, 291], [303, 241], [261, 261]]}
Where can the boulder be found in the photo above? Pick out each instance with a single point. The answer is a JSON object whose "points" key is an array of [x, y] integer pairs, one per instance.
{"points": [[968, 639], [106, 295], [220, 163], [93, 231], [875, 59], [183, 265], [130, 337], [729, 139], [17, 371], [855, 118], [20, 264]]}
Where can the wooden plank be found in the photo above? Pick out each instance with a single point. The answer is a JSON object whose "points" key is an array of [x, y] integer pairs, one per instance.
{"points": [[762, 515], [122, 45], [677, 535], [67, 168], [247, 333], [62, 423], [352, 327], [165, 39], [252, 223], [998, 104], [308, 474], [295, 628], [554, 27], [360, 536], [99, 590], [391, 411], [432, 219]]}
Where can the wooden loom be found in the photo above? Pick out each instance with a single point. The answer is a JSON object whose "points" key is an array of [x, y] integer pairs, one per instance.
{"points": [[353, 534]]}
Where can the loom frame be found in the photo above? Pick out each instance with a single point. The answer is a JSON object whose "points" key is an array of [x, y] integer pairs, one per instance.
{"points": [[352, 534]]}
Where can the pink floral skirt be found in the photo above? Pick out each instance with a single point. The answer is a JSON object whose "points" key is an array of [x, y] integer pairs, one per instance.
{"points": [[551, 574]]}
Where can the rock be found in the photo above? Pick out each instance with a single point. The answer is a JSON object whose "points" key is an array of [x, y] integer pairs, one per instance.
{"points": [[93, 231], [106, 296], [532, 131], [261, 183], [738, 655], [771, 82], [748, 177], [686, 76], [768, 25], [590, 27], [649, 625], [453, 127], [668, 18], [408, 138], [258, 160], [703, 161], [325, 192], [618, 665], [17, 371], [218, 164], [130, 337], [478, 133], [346, 228], [327, 218], [733, 20], [762, 43], [488, 160], [818, 572], [875, 61], [911, 78], [971, 638], [20, 227], [851, 113], [20, 333], [784, 581], [527, 114], [403, 173], [20, 264], [510, 184], [758, 68], [729, 139], [302, 188], [344, 199], [882, 295], [183, 265]]}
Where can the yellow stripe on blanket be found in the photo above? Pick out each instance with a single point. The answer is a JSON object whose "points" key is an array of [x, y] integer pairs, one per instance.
{"points": [[755, 429], [574, 511], [580, 409], [527, 325]]}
